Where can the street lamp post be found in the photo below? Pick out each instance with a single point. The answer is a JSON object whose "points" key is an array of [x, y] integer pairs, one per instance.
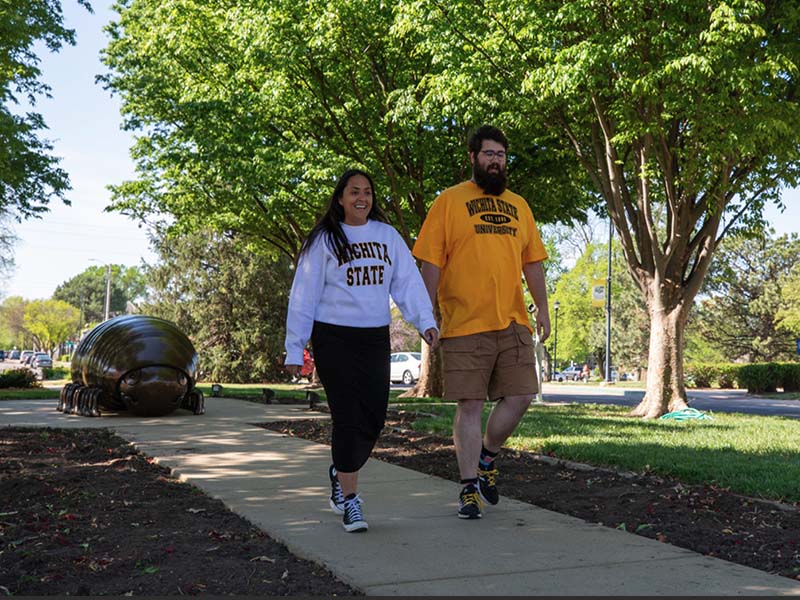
{"points": [[608, 302], [556, 306]]}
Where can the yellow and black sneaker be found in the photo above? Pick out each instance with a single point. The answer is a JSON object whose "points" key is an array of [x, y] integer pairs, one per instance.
{"points": [[469, 503], [487, 485]]}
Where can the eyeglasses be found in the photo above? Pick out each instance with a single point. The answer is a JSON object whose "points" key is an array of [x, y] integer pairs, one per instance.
{"points": [[492, 153]]}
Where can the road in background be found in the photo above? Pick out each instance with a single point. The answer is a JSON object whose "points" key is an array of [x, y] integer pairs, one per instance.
{"points": [[713, 400]]}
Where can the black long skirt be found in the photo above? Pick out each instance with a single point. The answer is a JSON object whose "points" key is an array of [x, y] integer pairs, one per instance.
{"points": [[353, 365]]}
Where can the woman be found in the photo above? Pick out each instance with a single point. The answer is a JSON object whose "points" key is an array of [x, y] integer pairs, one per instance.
{"points": [[350, 264]]}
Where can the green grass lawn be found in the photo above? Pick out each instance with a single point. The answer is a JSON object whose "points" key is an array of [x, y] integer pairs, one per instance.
{"points": [[29, 393], [752, 455]]}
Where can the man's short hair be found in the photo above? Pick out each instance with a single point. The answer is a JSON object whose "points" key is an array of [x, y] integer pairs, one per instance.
{"points": [[486, 132]]}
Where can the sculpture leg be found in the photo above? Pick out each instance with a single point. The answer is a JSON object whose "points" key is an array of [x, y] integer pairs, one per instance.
{"points": [[195, 402], [62, 398], [94, 409], [80, 400], [200, 406]]}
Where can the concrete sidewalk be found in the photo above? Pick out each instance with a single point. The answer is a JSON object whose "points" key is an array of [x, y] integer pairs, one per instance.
{"points": [[415, 546]]}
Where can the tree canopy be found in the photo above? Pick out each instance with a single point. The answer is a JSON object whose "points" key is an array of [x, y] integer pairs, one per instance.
{"points": [[229, 297], [87, 291], [683, 117], [50, 322], [29, 175], [743, 294], [248, 112]]}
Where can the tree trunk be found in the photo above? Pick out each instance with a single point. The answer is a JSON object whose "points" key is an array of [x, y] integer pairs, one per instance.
{"points": [[429, 383], [666, 391]]}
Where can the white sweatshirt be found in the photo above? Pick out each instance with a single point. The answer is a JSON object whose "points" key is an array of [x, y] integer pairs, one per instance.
{"points": [[353, 290]]}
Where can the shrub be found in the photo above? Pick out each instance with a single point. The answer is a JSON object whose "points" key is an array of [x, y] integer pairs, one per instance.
{"points": [[700, 374], [55, 372], [18, 378], [790, 376], [728, 375], [759, 378]]}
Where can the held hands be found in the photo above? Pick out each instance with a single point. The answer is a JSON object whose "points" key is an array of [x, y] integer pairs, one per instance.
{"points": [[431, 336], [293, 369]]}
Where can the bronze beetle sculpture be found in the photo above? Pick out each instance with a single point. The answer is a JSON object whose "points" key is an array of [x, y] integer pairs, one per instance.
{"points": [[137, 363]]}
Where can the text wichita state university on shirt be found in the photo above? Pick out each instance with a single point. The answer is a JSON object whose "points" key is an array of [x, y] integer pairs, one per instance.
{"points": [[496, 212]]}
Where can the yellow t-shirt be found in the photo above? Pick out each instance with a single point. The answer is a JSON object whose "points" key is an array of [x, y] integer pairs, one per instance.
{"points": [[480, 243]]}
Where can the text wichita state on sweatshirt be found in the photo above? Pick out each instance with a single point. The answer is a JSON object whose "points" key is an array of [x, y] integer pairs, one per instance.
{"points": [[353, 287]]}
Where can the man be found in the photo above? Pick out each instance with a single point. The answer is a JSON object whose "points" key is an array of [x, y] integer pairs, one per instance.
{"points": [[476, 240]]}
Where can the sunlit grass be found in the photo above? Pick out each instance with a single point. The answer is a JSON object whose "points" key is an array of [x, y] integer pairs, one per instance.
{"points": [[751, 455], [29, 393]]}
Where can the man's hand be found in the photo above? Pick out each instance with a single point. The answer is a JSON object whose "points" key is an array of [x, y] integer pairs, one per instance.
{"points": [[431, 336], [543, 325]]}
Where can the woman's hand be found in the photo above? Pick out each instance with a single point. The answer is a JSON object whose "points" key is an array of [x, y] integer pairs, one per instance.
{"points": [[431, 336], [294, 370]]}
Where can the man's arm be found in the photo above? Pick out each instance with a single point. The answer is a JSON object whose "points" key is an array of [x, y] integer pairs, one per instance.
{"points": [[430, 276], [534, 275]]}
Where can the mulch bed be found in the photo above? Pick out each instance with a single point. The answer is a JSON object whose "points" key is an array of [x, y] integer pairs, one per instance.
{"points": [[705, 519], [83, 513]]}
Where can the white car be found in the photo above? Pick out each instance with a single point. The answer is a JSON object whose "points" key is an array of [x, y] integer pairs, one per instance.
{"points": [[405, 366], [573, 373]]}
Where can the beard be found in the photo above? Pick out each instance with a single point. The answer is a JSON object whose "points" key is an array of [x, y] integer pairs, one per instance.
{"points": [[492, 182]]}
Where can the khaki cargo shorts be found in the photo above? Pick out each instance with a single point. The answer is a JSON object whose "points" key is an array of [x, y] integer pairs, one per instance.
{"points": [[493, 363]]}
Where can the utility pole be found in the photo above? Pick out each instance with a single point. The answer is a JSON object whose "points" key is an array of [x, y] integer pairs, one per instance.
{"points": [[108, 292]]}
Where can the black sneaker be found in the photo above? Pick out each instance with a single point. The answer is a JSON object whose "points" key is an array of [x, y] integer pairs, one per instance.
{"points": [[469, 503], [337, 495], [353, 520], [487, 485]]}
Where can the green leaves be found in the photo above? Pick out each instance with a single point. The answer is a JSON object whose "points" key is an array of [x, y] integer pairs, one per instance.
{"points": [[29, 174]]}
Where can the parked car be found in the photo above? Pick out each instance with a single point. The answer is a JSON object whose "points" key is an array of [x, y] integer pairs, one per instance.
{"points": [[2, 354], [405, 366], [24, 356], [573, 373], [41, 359], [13, 355]]}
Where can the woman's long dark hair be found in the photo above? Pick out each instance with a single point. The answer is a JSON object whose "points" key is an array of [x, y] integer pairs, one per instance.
{"points": [[330, 223]]}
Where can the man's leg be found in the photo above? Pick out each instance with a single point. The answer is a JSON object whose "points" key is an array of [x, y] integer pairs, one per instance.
{"points": [[504, 418], [467, 436]]}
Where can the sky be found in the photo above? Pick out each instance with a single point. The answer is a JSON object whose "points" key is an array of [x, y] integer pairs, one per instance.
{"points": [[84, 126]]}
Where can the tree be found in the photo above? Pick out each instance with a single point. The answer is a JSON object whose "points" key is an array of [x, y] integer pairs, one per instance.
{"points": [[683, 116], [229, 298], [87, 291], [743, 294], [247, 113], [50, 322], [582, 326], [788, 315], [12, 322], [7, 241], [29, 176]]}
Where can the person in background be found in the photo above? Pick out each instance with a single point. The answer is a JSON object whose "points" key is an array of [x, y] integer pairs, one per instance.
{"points": [[475, 242], [350, 265]]}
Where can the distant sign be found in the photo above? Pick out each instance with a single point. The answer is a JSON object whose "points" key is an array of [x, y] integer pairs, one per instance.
{"points": [[599, 292], [798, 345]]}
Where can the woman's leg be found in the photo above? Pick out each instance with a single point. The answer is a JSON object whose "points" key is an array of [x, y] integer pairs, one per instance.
{"points": [[349, 482]]}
